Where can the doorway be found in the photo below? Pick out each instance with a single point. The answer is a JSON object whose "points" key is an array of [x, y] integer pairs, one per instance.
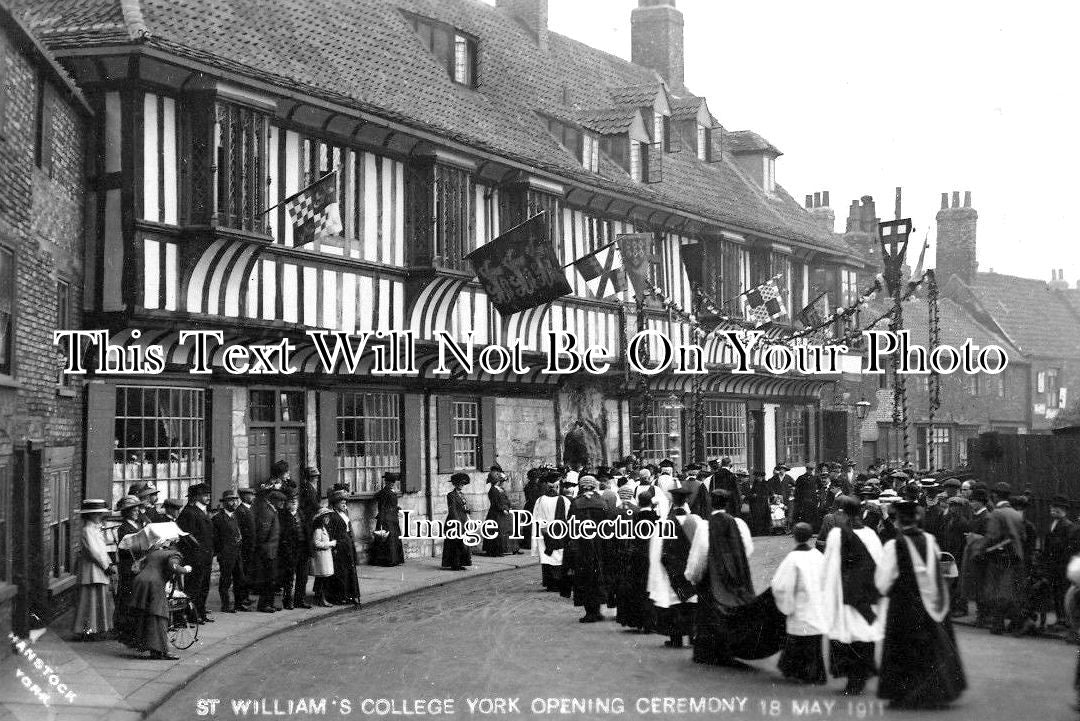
{"points": [[276, 430]]}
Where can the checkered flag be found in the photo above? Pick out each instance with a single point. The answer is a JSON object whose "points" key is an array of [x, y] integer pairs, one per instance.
{"points": [[314, 210], [764, 303]]}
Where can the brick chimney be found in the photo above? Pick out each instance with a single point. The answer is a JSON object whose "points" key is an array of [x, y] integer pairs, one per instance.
{"points": [[656, 39], [956, 239], [818, 205], [861, 226], [533, 14], [1057, 280]]}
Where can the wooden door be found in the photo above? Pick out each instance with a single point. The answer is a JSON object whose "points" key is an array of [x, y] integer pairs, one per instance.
{"points": [[260, 455], [290, 448]]}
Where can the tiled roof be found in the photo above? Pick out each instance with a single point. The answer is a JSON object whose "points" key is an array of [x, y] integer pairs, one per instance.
{"points": [[11, 21], [608, 121], [685, 108], [1039, 320], [747, 141], [365, 55], [636, 95], [955, 324], [1072, 297]]}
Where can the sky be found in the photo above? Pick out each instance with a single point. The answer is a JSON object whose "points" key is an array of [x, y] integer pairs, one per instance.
{"points": [[862, 97]]}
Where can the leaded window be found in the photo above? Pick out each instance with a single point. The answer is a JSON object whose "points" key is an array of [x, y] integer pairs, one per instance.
{"points": [[60, 527], [7, 311], [160, 437], [466, 431], [240, 137], [725, 431], [368, 438], [792, 427], [662, 432], [454, 216]]}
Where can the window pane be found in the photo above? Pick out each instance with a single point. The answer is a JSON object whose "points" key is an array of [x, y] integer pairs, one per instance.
{"points": [[369, 438], [261, 406], [725, 431], [7, 306], [466, 430]]}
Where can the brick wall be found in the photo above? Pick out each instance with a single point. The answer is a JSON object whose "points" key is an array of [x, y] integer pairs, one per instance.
{"points": [[41, 221]]}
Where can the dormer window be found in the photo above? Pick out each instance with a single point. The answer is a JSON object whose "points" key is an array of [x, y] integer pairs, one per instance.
{"points": [[769, 174], [584, 145], [453, 49], [661, 132], [639, 157]]}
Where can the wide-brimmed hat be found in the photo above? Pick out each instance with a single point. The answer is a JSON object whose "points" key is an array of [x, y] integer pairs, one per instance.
{"points": [[391, 476], [336, 496], [198, 489], [148, 490], [460, 479], [93, 505], [128, 501], [230, 493], [245, 491], [889, 496], [1059, 501], [136, 487], [324, 511], [742, 472]]}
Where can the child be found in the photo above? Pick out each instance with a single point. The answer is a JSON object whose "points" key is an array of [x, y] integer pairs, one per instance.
{"points": [[322, 561], [797, 588]]}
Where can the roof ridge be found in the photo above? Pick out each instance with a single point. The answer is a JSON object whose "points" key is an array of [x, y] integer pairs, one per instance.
{"points": [[134, 19]]}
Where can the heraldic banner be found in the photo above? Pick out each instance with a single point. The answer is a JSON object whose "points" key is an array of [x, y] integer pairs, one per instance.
{"points": [[519, 269]]}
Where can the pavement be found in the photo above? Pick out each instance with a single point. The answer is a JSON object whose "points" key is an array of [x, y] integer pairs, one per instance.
{"points": [[111, 682]]}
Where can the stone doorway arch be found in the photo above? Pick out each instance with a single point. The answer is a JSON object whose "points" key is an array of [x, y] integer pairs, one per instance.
{"points": [[582, 446]]}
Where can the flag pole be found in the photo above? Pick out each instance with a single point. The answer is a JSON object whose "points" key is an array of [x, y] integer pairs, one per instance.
{"points": [[303, 190], [605, 246]]}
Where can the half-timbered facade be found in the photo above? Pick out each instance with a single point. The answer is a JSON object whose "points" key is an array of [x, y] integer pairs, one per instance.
{"points": [[444, 124]]}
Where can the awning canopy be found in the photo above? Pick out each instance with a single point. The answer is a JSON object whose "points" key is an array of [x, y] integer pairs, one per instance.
{"points": [[752, 385]]}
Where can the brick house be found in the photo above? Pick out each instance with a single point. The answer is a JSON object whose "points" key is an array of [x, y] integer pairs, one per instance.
{"points": [[43, 122], [446, 123]]}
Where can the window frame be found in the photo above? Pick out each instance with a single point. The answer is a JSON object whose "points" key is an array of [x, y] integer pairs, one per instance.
{"points": [[7, 513], [63, 322], [8, 367], [457, 403], [391, 422], [731, 425], [61, 562], [240, 202]]}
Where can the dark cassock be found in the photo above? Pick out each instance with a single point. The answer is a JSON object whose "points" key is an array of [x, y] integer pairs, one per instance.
{"points": [[758, 498], [149, 606], [920, 663], [534, 488], [455, 554], [588, 557], [262, 575], [198, 546], [718, 565], [676, 599], [344, 586], [697, 500], [550, 507], [499, 511], [852, 612], [633, 608], [290, 546], [386, 548]]}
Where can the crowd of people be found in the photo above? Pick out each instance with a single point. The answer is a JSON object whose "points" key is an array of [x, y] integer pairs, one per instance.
{"points": [[266, 540], [860, 576]]}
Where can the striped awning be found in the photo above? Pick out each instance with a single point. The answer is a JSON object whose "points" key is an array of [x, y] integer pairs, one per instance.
{"points": [[219, 276], [755, 385]]}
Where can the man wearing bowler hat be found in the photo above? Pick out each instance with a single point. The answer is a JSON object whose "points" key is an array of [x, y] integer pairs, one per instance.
{"points": [[227, 543], [195, 519], [264, 555], [149, 498], [245, 518]]}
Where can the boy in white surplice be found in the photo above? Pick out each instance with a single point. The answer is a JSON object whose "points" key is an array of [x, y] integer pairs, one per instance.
{"points": [[796, 587]]}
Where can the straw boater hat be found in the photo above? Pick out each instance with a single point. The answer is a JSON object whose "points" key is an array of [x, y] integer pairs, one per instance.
{"points": [[93, 505]]}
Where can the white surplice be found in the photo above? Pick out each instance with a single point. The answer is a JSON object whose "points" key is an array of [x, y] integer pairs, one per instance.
{"points": [[544, 513], [797, 589], [659, 585], [935, 596], [842, 622]]}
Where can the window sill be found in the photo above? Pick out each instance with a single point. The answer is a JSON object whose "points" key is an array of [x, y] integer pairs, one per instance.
{"points": [[59, 585], [7, 381]]}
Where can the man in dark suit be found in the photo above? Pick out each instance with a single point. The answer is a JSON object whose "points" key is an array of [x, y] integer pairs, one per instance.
{"points": [[245, 519], [805, 500], [290, 543], [267, 538], [227, 544], [1059, 545], [724, 479], [195, 520]]}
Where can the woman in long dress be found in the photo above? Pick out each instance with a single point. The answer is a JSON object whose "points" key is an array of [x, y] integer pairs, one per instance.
{"points": [[129, 508], [149, 605], [93, 616], [344, 586], [499, 511], [455, 555], [386, 548], [920, 663]]}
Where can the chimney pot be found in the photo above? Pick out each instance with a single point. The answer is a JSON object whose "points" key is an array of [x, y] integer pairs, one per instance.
{"points": [[809, 200], [656, 39], [817, 200], [967, 198], [825, 198], [944, 201], [956, 199]]}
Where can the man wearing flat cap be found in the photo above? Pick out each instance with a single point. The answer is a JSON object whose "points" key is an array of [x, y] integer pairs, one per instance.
{"points": [[195, 520], [1006, 562], [227, 542]]}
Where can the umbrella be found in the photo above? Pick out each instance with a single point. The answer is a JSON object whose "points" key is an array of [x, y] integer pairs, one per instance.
{"points": [[142, 540]]}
